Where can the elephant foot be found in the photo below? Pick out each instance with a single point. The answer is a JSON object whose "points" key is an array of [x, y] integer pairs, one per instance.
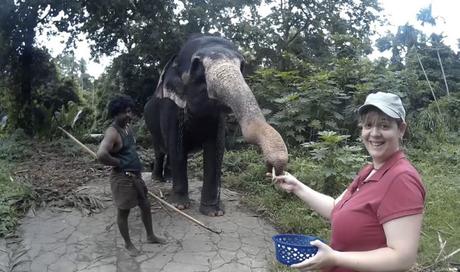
{"points": [[180, 201], [212, 210], [157, 178], [167, 178]]}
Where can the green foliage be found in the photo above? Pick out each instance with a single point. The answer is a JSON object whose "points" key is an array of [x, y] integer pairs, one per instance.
{"points": [[14, 147], [440, 174], [48, 92], [428, 128], [303, 106], [339, 161], [239, 162], [425, 15], [314, 31], [244, 171], [74, 117], [26, 68], [12, 196]]}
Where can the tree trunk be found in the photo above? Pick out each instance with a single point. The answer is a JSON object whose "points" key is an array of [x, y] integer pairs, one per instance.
{"points": [[25, 76], [24, 100]]}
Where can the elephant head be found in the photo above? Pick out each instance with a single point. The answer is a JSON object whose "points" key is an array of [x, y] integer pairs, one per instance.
{"points": [[207, 73]]}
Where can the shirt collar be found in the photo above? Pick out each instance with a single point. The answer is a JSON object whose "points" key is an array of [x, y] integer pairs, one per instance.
{"points": [[387, 165]]}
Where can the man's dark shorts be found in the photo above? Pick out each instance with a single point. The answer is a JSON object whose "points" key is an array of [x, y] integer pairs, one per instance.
{"points": [[124, 192]]}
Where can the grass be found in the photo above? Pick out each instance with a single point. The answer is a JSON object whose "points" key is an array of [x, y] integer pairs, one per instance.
{"points": [[13, 198], [441, 227], [440, 241]]}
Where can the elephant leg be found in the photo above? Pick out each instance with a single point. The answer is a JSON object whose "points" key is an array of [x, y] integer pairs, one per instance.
{"points": [[213, 153], [177, 157], [167, 176], [158, 166], [179, 197]]}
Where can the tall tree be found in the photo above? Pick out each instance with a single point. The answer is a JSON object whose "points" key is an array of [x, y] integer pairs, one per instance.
{"points": [[147, 33], [316, 30], [429, 68], [20, 20]]}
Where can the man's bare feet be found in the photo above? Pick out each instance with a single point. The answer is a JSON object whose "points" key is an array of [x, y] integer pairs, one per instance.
{"points": [[156, 240], [132, 250]]}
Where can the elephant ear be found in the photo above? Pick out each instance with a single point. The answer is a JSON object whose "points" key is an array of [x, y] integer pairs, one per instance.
{"points": [[170, 84]]}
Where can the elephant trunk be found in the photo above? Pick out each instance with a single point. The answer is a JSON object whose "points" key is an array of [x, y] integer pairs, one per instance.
{"points": [[226, 84]]}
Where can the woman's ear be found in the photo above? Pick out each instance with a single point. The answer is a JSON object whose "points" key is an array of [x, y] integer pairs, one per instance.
{"points": [[402, 129]]}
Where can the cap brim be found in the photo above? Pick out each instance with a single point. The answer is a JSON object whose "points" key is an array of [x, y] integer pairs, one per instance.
{"points": [[382, 108]]}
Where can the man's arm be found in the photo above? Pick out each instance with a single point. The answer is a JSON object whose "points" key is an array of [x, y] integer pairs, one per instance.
{"points": [[109, 145]]}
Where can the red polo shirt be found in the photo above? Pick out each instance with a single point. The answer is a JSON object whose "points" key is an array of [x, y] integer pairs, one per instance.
{"points": [[394, 191]]}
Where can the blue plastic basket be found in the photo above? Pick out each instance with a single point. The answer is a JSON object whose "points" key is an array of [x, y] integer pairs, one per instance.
{"points": [[294, 248]]}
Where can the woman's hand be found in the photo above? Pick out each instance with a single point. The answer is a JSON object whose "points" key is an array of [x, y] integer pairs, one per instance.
{"points": [[324, 258], [287, 182]]}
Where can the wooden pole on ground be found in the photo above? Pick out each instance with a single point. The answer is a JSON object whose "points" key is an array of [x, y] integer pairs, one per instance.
{"points": [[150, 193], [183, 214]]}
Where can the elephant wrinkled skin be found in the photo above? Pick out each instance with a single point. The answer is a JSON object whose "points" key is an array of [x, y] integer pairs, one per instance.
{"points": [[197, 88]]}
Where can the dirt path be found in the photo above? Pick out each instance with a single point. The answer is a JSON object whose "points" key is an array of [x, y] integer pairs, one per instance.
{"points": [[62, 237]]}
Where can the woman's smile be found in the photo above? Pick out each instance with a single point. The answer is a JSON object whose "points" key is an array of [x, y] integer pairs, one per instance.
{"points": [[381, 134]]}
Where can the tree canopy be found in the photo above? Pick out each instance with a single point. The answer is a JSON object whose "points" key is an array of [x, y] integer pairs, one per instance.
{"points": [[308, 55]]}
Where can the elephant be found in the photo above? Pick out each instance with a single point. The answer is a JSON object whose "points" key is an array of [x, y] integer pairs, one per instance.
{"points": [[197, 88]]}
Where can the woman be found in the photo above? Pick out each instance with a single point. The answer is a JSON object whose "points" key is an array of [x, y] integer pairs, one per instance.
{"points": [[376, 222]]}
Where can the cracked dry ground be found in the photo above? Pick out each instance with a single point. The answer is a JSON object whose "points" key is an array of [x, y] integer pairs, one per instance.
{"points": [[75, 228]]}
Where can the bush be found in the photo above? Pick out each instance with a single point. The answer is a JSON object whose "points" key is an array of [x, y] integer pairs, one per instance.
{"points": [[339, 161], [14, 147], [428, 127]]}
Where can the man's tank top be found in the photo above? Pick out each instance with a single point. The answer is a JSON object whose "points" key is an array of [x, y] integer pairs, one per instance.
{"points": [[127, 155]]}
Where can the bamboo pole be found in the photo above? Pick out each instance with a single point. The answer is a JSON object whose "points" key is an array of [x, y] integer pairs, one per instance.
{"points": [[182, 213], [150, 193], [429, 85], [442, 70], [79, 143]]}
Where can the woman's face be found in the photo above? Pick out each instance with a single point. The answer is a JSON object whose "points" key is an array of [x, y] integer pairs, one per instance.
{"points": [[380, 134]]}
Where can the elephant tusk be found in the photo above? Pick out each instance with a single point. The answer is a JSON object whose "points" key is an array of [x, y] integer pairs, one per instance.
{"points": [[273, 174], [150, 193]]}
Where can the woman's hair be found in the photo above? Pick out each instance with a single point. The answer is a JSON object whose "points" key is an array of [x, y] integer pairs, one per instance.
{"points": [[119, 104], [363, 116]]}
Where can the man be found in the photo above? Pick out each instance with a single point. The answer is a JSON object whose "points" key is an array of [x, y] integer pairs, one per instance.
{"points": [[118, 149]]}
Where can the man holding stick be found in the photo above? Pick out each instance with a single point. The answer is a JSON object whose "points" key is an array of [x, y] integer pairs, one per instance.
{"points": [[118, 149]]}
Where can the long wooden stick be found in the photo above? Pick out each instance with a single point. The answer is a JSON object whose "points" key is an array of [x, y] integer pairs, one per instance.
{"points": [[79, 143], [150, 193], [183, 214]]}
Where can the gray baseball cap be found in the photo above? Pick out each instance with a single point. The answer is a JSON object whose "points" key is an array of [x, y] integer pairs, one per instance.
{"points": [[388, 103]]}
